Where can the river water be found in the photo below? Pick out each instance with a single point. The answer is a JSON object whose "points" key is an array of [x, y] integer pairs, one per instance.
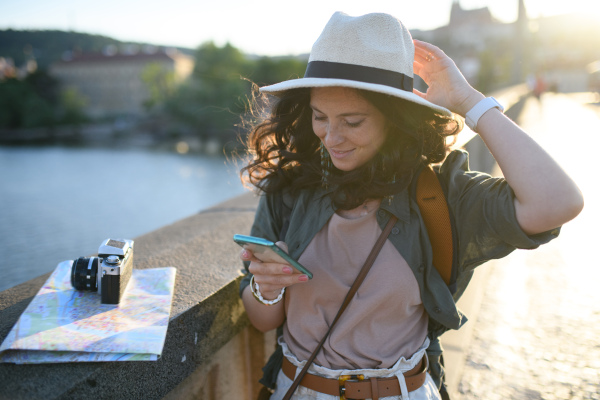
{"points": [[59, 203]]}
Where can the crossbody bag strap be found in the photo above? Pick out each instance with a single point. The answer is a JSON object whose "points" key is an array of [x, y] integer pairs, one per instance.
{"points": [[353, 289]]}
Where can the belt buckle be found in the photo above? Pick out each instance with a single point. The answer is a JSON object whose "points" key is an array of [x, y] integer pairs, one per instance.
{"points": [[342, 379]]}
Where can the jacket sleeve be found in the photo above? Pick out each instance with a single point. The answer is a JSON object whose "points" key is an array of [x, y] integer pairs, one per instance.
{"points": [[484, 213], [266, 225]]}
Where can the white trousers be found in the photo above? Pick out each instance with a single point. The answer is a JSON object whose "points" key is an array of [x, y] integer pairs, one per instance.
{"points": [[426, 392]]}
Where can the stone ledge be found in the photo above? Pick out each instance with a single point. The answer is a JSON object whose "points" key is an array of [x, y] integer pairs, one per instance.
{"points": [[206, 313]]}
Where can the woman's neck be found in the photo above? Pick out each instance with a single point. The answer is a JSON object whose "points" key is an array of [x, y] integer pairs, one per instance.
{"points": [[364, 209]]}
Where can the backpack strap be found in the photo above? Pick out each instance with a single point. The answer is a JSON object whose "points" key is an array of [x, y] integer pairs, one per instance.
{"points": [[433, 205]]}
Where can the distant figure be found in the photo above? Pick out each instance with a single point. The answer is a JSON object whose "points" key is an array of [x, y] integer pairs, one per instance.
{"points": [[539, 87], [335, 156]]}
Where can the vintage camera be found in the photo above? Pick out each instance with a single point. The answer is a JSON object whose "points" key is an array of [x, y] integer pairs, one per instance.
{"points": [[108, 273]]}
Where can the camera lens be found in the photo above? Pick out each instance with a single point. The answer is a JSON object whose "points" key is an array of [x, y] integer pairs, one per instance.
{"points": [[84, 273]]}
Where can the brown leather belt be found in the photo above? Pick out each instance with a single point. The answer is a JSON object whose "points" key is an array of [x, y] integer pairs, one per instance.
{"points": [[358, 387]]}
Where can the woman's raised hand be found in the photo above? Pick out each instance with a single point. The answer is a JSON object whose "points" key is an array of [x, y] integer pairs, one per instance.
{"points": [[272, 277], [447, 87]]}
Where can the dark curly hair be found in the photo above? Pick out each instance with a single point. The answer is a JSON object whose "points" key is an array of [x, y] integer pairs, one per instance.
{"points": [[285, 151]]}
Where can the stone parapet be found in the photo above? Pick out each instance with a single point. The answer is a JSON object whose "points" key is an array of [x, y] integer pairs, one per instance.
{"points": [[207, 314]]}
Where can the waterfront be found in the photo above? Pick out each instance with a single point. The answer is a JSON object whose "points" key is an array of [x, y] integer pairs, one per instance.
{"points": [[59, 203]]}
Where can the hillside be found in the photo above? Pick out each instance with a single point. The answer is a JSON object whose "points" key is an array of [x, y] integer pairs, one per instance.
{"points": [[48, 46]]}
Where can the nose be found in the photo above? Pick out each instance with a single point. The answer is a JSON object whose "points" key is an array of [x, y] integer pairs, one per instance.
{"points": [[333, 135]]}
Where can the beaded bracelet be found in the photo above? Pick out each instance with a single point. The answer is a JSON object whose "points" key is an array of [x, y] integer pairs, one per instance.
{"points": [[258, 296]]}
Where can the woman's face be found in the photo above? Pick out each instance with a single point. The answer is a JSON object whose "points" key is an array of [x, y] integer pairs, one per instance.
{"points": [[351, 129]]}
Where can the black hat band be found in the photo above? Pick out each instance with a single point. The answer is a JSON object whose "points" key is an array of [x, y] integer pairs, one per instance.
{"points": [[378, 76]]}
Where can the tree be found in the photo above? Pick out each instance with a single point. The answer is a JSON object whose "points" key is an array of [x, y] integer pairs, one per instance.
{"points": [[160, 84], [36, 102], [268, 71], [72, 104], [212, 99], [22, 107]]}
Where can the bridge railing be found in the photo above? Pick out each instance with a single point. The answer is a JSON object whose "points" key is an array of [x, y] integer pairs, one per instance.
{"points": [[211, 351]]}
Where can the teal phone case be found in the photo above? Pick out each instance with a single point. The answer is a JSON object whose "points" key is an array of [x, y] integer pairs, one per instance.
{"points": [[270, 251]]}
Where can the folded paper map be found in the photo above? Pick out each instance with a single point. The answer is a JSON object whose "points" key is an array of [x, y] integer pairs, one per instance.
{"points": [[62, 324]]}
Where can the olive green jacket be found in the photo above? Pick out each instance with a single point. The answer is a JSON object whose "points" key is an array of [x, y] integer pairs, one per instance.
{"points": [[482, 210]]}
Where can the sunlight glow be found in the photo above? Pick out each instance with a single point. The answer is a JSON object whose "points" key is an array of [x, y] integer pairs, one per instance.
{"points": [[266, 27]]}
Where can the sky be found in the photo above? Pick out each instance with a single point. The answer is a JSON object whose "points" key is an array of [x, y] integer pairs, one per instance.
{"points": [[265, 27]]}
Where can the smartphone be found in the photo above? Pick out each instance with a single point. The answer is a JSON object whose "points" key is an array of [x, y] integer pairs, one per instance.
{"points": [[267, 251]]}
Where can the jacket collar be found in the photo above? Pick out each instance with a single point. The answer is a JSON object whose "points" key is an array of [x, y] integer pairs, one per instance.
{"points": [[400, 205]]}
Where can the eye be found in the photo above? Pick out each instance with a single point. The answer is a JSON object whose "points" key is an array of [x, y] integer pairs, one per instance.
{"points": [[354, 124], [318, 118]]}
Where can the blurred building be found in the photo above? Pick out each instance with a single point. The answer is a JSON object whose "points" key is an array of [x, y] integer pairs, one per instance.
{"points": [[468, 28], [472, 27], [469, 32], [492, 54], [111, 83]]}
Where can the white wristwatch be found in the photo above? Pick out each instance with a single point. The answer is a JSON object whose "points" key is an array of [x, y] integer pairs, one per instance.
{"points": [[479, 109]]}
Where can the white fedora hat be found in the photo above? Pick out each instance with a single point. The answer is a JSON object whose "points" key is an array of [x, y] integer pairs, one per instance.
{"points": [[372, 52]]}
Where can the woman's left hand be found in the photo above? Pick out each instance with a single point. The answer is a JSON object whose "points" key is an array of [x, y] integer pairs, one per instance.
{"points": [[531, 173], [447, 87]]}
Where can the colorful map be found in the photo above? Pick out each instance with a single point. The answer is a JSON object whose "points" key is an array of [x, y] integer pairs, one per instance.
{"points": [[62, 324]]}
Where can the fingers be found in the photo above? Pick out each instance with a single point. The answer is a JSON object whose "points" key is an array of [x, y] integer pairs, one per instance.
{"points": [[430, 56], [272, 277], [262, 268], [246, 255], [419, 69], [422, 49], [275, 274], [420, 94], [282, 245], [423, 57]]}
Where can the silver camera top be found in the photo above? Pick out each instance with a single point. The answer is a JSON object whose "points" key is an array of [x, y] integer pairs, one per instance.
{"points": [[118, 247], [115, 254]]}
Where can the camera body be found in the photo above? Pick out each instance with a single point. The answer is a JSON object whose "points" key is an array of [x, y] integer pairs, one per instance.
{"points": [[109, 273]]}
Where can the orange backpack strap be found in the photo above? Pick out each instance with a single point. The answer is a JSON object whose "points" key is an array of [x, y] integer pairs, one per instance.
{"points": [[434, 210]]}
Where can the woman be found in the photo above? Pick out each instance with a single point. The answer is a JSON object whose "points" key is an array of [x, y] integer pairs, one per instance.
{"points": [[335, 159]]}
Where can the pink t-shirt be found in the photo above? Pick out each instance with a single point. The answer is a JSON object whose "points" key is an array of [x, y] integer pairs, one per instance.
{"points": [[386, 319]]}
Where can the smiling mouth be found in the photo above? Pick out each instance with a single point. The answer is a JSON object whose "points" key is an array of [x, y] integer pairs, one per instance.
{"points": [[340, 153]]}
